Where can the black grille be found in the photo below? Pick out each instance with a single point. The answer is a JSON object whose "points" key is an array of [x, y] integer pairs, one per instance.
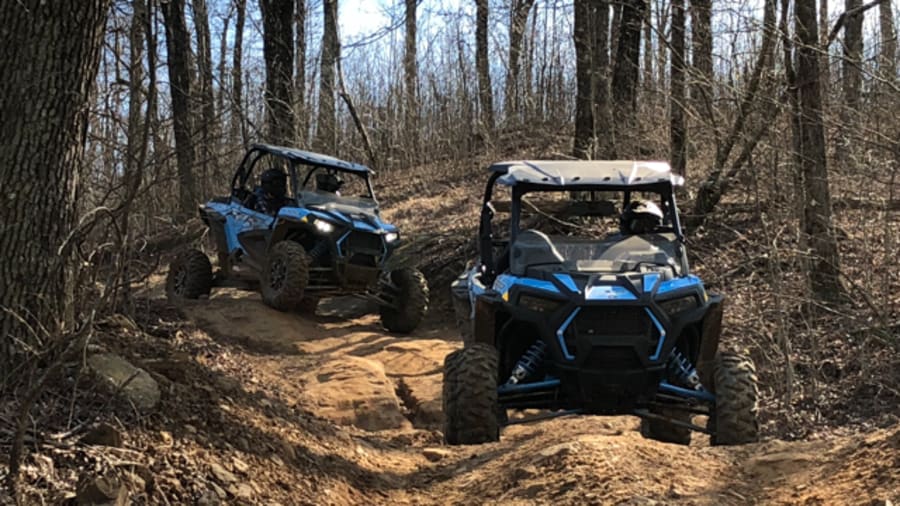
{"points": [[612, 321], [364, 242], [613, 357]]}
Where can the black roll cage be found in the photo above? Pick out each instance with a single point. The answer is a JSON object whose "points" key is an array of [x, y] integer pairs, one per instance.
{"points": [[486, 233]]}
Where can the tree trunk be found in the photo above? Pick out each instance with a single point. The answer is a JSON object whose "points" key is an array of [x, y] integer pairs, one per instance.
{"points": [[701, 47], [412, 81], [178, 48], [823, 39], [603, 131], [853, 51], [824, 267], [584, 102], [326, 136], [625, 77], [44, 97], [278, 49], [678, 129], [300, 72], [887, 62], [518, 18], [485, 93], [220, 69], [207, 131], [238, 128]]}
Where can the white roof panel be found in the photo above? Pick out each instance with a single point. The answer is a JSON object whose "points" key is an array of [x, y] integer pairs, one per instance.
{"points": [[585, 172]]}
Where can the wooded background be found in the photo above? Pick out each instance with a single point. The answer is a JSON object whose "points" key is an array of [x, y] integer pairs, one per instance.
{"points": [[119, 117]]}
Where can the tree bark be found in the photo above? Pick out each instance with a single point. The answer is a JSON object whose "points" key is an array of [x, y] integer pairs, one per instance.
{"points": [[677, 126], [518, 18], [238, 128], [701, 47], [584, 102], [485, 93], [178, 49], [603, 145], [300, 72], [626, 75], [823, 40], [853, 51], [278, 50], [824, 268], [887, 61], [410, 69], [326, 135], [44, 95], [207, 130]]}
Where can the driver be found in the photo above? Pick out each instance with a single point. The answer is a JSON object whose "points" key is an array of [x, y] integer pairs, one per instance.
{"points": [[329, 182], [640, 217], [270, 194]]}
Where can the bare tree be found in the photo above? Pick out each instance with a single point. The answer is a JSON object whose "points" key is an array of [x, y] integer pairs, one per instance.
{"points": [[412, 80], [300, 71], [887, 62], [584, 100], [824, 269], [701, 50], [600, 69], [326, 134], [238, 128], [677, 126], [625, 76], [278, 49], [207, 125], [178, 49], [518, 17], [43, 104], [851, 73], [485, 94]]}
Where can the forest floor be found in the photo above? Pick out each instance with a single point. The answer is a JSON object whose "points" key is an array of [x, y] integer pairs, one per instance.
{"points": [[263, 407]]}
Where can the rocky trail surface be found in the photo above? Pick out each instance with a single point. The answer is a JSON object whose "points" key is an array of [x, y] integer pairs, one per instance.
{"points": [[276, 408]]}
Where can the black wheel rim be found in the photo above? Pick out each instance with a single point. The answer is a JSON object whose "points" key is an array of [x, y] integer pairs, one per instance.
{"points": [[277, 274]]}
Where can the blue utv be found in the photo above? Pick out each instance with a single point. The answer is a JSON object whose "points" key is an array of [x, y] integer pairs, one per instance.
{"points": [[309, 229], [582, 302]]}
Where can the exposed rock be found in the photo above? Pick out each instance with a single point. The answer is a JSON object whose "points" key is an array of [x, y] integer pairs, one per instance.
{"points": [[103, 434], [142, 390], [220, 473], [435, 454], [240, 465], [101, 491]]}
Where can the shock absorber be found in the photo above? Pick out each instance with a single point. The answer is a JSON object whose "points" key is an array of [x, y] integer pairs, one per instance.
{"points": [[529, 363], [682, 369], [319, 250]]}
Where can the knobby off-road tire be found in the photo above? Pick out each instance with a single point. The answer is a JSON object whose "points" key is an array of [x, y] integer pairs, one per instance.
{"points": [[470, 396], [308, 305], [285, 276], [411, 301], [190, 276], [667, 432], [735, 418]]}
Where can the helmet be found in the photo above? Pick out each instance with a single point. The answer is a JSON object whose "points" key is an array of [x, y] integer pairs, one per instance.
{"points": [[640, 217], [328, 182], [274, 182]]}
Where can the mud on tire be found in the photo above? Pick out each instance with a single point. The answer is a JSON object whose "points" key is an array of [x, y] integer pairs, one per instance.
{"points": [[667, 432], [411, 299], [470, 396], [190, 276], [734, 420], [285, 276]]}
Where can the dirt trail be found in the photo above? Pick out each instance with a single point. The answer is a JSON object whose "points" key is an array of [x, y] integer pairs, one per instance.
{"points": [[380, 394]]}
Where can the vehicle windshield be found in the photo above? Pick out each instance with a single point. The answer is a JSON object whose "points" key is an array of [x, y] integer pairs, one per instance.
{"points": [[323, 185], [595, 231]]}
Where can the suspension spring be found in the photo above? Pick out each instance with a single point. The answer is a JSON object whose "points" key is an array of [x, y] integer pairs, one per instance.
{"points": [[319, 250], [529, 363], [684, 371]]}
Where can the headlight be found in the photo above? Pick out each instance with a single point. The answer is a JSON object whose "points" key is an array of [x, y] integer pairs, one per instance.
{"points": [[539, 304], [391, 236], [324, 227], [679, 305]]}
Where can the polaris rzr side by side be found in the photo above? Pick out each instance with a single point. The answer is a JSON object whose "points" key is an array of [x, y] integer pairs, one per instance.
{"points": [[582, 301], [310, 228]]}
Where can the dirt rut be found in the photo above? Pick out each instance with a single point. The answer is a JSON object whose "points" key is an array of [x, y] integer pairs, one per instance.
{"points": [[382, 393]]}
